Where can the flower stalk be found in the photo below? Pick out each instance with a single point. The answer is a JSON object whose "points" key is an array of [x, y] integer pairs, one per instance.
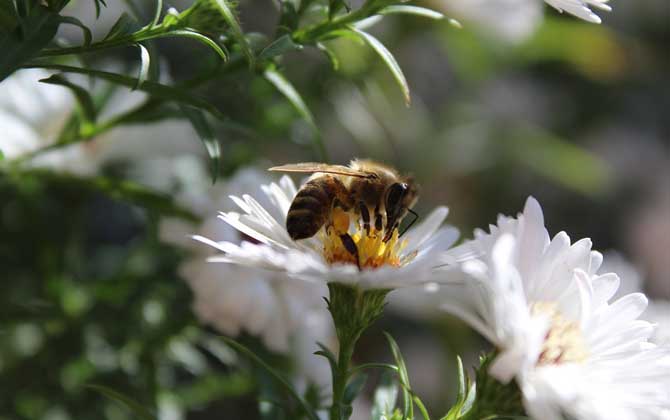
{"points": [[353, 311]]}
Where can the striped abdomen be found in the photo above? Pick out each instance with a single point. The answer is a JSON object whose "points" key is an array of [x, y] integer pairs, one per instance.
{"points": [[311, 207]]}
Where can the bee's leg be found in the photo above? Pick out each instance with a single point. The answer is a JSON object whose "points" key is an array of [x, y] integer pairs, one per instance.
{"points": [[350, 246], [379, 221], [365, 215]]}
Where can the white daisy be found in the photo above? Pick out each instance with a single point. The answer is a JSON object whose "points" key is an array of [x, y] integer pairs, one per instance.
{"points": [[400, 262], [581, 8], [571, 351], [288, 316]]}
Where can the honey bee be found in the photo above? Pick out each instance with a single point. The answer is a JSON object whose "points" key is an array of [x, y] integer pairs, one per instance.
{"points": [[377, 194]]}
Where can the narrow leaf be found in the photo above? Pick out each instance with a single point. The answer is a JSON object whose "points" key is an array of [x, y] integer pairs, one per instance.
{"points": [[125, 25], [287, 89], [157, 13], [408, 411], [88, 37], [461, 381], [206, 134], [153, 88], [136, 408], [280, 379], [231, 19], [189, 33], [389, 60], [97, 7], [280, 46], [330, 54], [145, 63], [412, 10], [83, 97]]}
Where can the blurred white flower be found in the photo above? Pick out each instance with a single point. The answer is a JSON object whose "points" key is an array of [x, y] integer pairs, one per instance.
{"points": [[541, 303], [658, 310], [581, 8], [31, 113], [288, 316], [393, 264]]}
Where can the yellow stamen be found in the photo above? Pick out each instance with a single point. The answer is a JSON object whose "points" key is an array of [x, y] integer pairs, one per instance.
{"points": [[564, 341], [373, 252]]}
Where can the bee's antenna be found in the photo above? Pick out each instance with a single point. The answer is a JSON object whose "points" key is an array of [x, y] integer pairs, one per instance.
{"points": [[416, 217]]}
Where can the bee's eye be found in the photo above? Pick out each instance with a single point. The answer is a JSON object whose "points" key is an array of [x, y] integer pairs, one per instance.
{"points": [[395, 194]]}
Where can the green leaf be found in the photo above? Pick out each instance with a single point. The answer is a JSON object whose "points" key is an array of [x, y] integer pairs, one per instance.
{"points": [[82, 95], [189, 33], [206, 134], [287, 89], [408, 411], [28, 39], [97, 7], [280, 379], [2, 155], [153, 88], [412, 10], [330, 54], [353, 388], [389, 60], [325, 352], [145, 63], [157, 13], [136, 408], [88, 37], [231, 19], [124, 25], [280, 46], [461, 381]]}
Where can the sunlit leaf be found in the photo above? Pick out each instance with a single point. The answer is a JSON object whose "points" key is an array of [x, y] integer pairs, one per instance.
{"points": [[145, 63], [389, 60], [412, 10], [136, 408], [330, 54]]}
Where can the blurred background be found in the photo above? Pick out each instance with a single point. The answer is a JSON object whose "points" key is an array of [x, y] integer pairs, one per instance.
{"points": [[519, 101]]}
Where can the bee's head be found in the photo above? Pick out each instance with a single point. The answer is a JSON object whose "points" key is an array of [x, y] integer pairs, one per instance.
{"points": [[399, 198]]}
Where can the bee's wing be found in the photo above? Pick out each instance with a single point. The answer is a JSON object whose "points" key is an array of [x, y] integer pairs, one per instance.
{"points": [[312, 167]]}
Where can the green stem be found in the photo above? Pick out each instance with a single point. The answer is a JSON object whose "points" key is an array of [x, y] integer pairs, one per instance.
{"points": [[341, 376], [353, 311]]}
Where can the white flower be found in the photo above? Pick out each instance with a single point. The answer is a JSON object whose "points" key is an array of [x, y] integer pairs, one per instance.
{"points": [[288, 316], [397, 263], [581, 8], [571, 351], [658, 312], [31, 113]]}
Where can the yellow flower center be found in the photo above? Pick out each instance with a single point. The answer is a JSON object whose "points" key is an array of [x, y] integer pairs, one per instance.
{"points": [[372, 251], [564, 342]]}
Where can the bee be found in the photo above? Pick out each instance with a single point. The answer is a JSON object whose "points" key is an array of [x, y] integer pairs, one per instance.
{"points": [[377, 194]]}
